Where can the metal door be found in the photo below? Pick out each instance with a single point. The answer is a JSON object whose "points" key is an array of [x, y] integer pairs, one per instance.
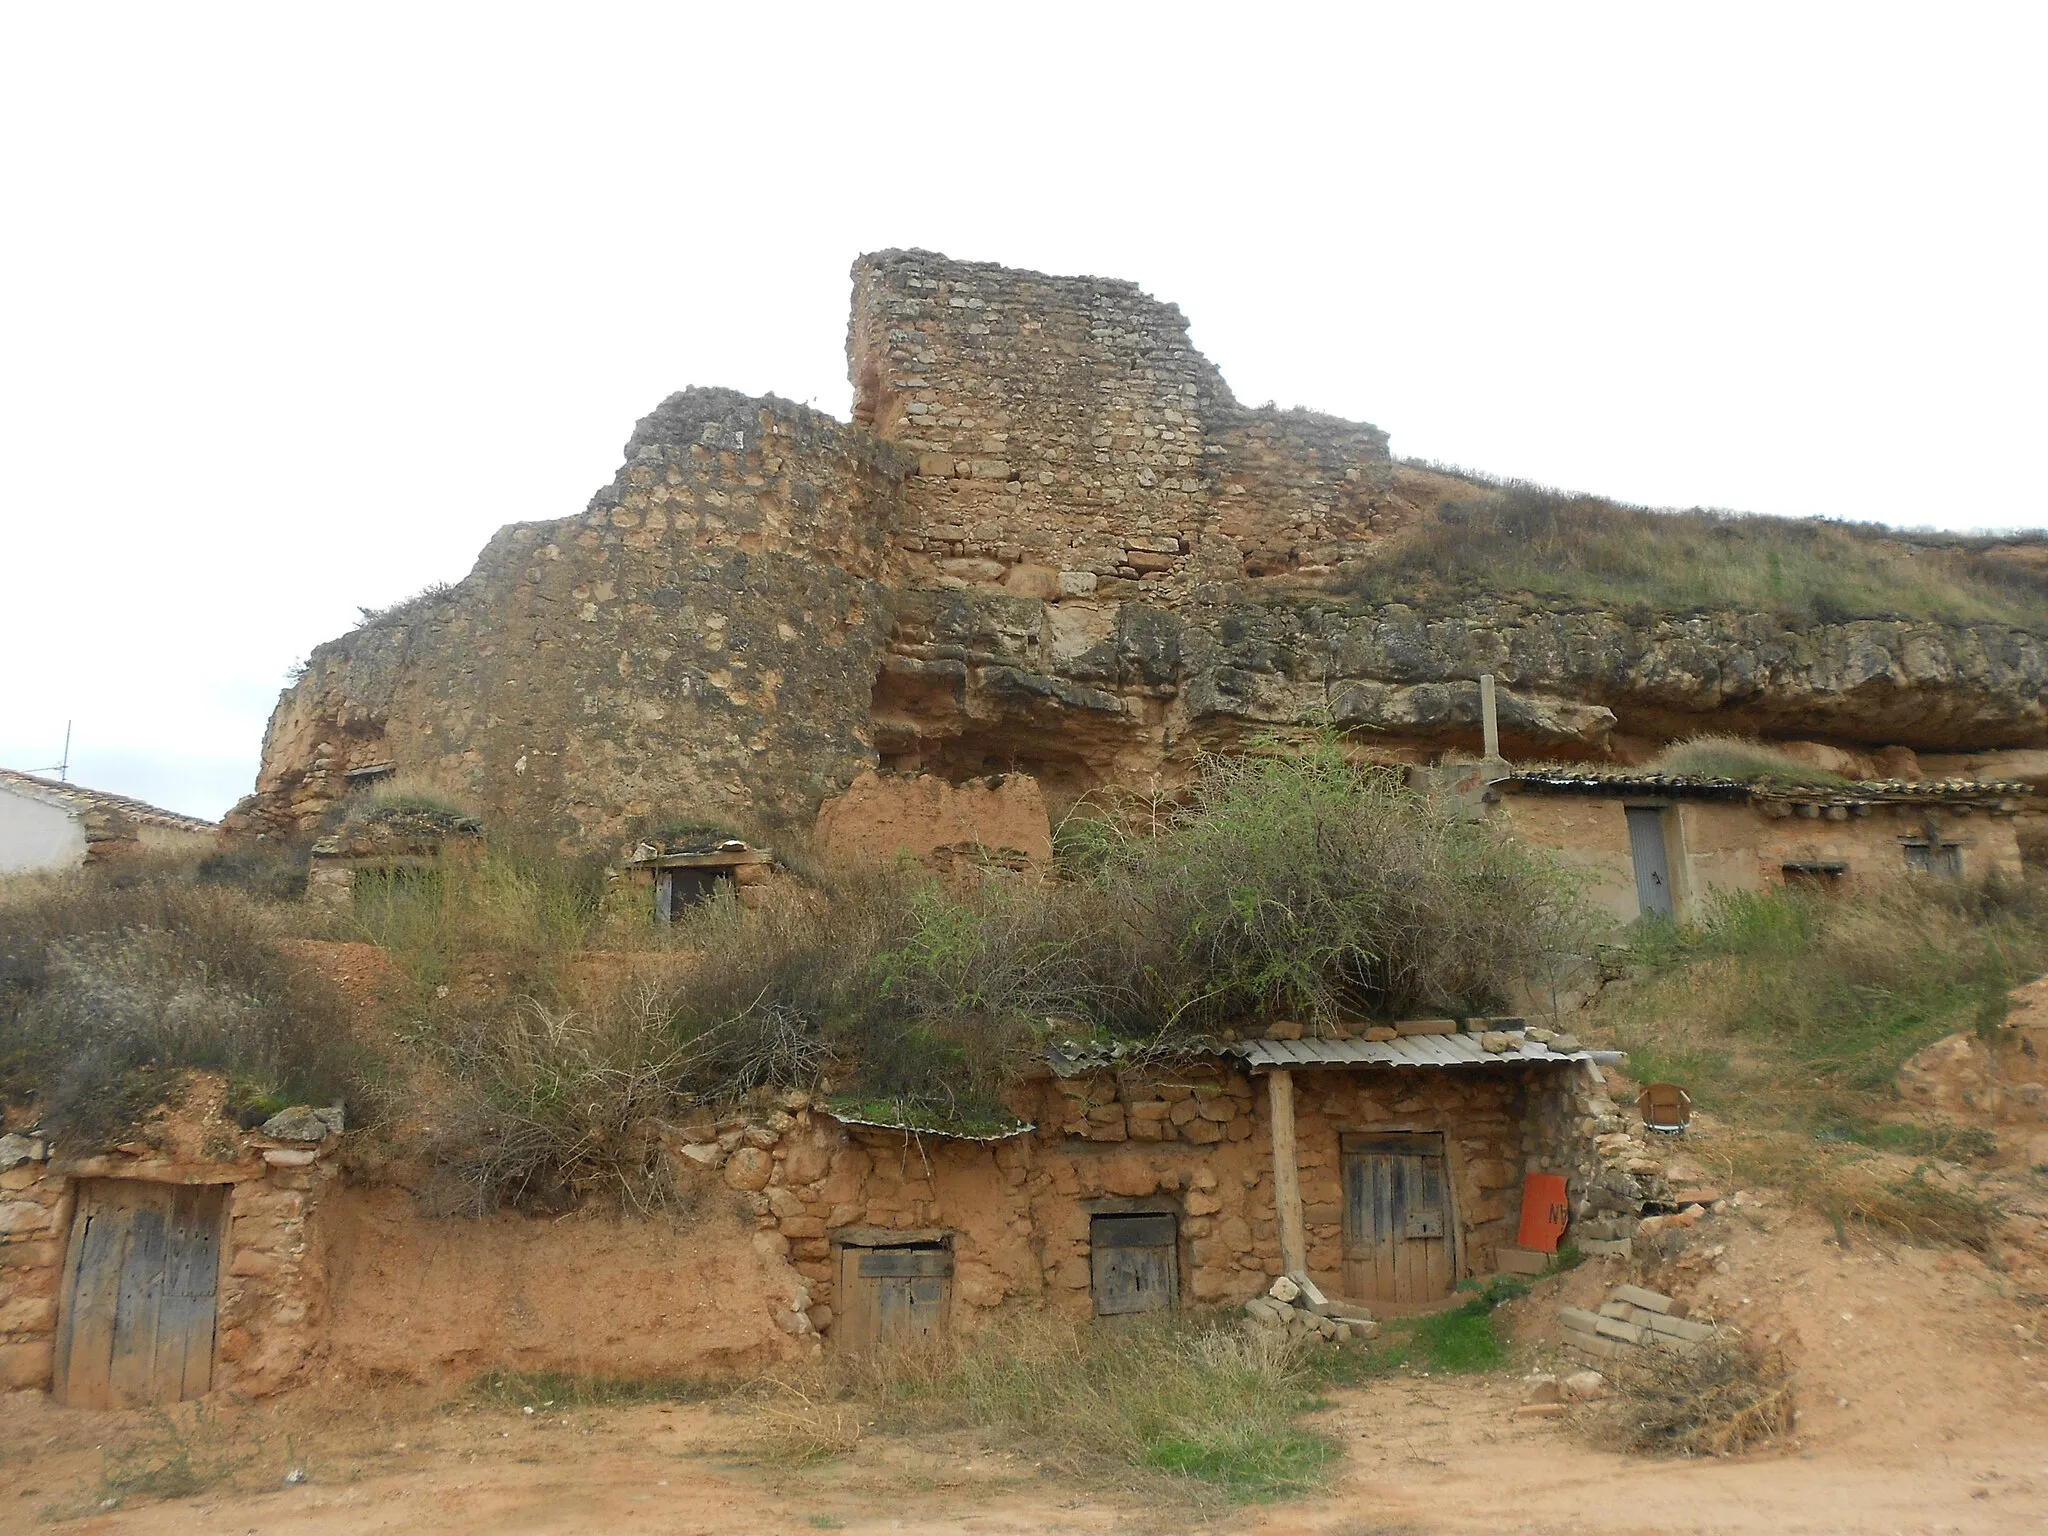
{"points": [[1653, 865], [141, 1285], [1397, 1218], [894, 1294], [1136, 1263]]}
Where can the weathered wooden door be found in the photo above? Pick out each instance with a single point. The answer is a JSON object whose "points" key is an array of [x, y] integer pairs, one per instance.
{"points": [[1653, 863], [1136, 1262], [141, 1286], [891, 1295], [1397, 1218]]}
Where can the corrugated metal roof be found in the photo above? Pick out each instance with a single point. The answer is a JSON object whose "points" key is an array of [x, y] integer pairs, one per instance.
{"points": [[1867, 791], [1461, 1050]]}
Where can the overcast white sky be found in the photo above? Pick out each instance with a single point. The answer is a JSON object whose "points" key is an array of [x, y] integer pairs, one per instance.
{"points": [[298, 304]]}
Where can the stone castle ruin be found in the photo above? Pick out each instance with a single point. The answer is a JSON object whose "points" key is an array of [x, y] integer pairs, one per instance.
{"points": [[1051, 542]]}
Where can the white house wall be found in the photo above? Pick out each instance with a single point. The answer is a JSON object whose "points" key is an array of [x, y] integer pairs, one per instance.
{"points": [[34, 834]]}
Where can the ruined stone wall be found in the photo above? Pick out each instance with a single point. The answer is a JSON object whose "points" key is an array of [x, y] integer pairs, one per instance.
{"points": [[1071, 441], [702, 642]]}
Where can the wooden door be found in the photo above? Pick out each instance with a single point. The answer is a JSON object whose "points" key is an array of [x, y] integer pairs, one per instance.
{"points": [[1136, 1261], [141, 1289], [895, 1294], [1647, 848], [1397, 1218]]}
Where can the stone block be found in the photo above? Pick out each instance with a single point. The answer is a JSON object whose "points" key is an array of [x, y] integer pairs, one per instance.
{"points": [[1614, 1328], [1204, 1131], [23, 1217], [26, 1366], [1637, 1296]]}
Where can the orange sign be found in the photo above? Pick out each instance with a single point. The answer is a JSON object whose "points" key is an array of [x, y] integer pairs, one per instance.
{"points": [[1546, 1211]]}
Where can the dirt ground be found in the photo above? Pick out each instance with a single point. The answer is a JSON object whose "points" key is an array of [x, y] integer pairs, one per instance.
{"points": [[1923, 1385]]}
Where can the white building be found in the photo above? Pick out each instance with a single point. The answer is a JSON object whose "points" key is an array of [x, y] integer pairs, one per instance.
{"points": [[48, 825]]}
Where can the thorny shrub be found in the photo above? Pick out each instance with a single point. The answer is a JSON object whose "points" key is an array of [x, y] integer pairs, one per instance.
{"points": [[1723, 1398], [113, 982]]}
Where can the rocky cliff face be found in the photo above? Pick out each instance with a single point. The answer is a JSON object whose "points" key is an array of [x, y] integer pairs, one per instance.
{"points": [[1078, 691], [1052, 542]]}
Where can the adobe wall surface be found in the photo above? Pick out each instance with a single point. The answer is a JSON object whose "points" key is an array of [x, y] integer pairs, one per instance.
{"points": [[442, 1299], [1200, 1140], [1738, 847], [885, 817], [702, 641]]}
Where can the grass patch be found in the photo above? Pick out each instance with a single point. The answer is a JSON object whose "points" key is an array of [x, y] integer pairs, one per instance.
{"points": [[1731, 757], [1522, 538], [1790, 1014], [1207, 1408], [1462, 1340]]}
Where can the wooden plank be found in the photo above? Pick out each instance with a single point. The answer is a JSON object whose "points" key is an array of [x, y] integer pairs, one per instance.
{"points": [[1137, 1230], [192, 1298], [1286, 1172], [92, 1277], [857, 1325], [138, 1310]]}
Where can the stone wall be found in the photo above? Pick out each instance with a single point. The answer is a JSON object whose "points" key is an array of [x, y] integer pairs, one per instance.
{"points": [[1197, 1138], [272, 1309], [702, 642], [1072, 442]]}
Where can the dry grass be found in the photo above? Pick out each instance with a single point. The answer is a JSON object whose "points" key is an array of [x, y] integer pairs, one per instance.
{"points": [[1521, 538], [1208, 1409], [115, 980], [1722, 1399], [1732, 757], [1790, 1014]]}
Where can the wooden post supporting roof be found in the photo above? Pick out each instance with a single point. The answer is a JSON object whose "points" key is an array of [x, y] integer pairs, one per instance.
{"points": [[1286, 1172]]}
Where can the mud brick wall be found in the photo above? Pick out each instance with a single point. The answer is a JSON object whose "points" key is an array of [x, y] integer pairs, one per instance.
{"points": [[1197, 1140], [701, 642]]}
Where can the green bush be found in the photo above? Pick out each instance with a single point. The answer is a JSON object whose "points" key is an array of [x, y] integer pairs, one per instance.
{"points": [[1293, 884]]}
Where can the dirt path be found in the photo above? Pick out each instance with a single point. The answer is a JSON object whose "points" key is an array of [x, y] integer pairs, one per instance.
{"points": [[1423, 1455], [1923, 1384]]}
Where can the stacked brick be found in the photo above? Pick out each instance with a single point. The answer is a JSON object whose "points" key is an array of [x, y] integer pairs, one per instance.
{"points": [[1630, 1320]]}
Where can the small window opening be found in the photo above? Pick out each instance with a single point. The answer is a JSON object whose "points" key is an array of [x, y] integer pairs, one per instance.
{"points": [[1136, 1262], [1815, 874], [1930, 857], [677, 890]]}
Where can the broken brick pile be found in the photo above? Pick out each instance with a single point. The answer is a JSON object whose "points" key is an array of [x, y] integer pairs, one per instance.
{"points": [[1631, 1319]]}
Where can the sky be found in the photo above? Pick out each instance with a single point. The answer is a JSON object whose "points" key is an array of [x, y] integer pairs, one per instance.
{"points": [[299, 304]]}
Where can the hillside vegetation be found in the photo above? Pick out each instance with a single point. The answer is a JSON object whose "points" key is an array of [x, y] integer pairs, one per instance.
{"points": [[1788, 1015], [1510, 537]]}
